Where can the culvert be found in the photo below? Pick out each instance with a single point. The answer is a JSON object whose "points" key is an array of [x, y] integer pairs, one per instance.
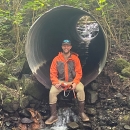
{"points": [[46, 35]]}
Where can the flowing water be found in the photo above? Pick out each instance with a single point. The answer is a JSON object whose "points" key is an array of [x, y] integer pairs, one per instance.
{"points": [[64, 116]]}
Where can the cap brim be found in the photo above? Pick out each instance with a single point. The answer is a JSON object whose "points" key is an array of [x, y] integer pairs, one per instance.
{"points": [[66, 43]]}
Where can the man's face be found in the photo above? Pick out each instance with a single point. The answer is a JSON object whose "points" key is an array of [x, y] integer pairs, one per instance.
{"points": [[66, 48]]}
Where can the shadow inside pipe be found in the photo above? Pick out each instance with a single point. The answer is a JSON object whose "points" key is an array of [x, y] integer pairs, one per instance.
{"points": [[47, 33]]}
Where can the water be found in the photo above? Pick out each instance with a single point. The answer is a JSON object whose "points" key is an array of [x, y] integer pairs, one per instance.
{"points": [[88, 31], [63, 118]]}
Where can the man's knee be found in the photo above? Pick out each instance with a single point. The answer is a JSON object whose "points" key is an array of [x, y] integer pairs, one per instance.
{"points": [[54, 91], [80, 87]]}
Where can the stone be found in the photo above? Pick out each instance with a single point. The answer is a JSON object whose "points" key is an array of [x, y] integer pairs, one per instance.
{"points": [[94, 86], [91, 111], [33, 88], [25, 113], [124, 119], [73, 125], [26, 120], [87, 125], [128, 101], [126, 127], [24, 102], [92, 96], [7, 105]]}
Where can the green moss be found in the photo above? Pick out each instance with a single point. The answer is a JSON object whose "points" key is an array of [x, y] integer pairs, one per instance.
{"points": [[120, 64], [3, 76], [8, 54], [2, 88], [122, 78], [126, 119], [126, 72], [7, 100]]}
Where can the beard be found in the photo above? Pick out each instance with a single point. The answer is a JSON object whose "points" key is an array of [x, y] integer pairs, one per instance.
{"points": [[66, 52]]}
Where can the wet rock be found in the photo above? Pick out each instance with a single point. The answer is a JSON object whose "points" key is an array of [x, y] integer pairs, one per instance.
{"points": [[44, 112], [128, 101], [8, 124], [102, 123], [26, 120], [87, 126], [102, 96], [127, 127], [92, 96], [24, 113], [73, 125], [118, 95], [111, 123], [91, 111], [14, 118], [94, 86]]}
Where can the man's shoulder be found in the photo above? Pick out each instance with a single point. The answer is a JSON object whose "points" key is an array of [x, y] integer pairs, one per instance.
{"points": [[74, 54], [57, 57]]}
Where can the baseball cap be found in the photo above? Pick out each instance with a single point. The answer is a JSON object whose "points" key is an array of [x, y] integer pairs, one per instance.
{"points": [[66, 42]]}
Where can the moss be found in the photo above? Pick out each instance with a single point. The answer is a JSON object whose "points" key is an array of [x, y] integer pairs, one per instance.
{"points": [[8, 54], [2, 88], [120, 64], [126, 72], [3, 76], [122, 78], [126, 119], [7, 100]]}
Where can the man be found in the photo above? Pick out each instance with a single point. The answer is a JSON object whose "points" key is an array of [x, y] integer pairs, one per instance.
{"points": [[66, 68]]}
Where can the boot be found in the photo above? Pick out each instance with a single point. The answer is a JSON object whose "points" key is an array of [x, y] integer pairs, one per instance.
{"points": [[53, 118], [82, 115]]}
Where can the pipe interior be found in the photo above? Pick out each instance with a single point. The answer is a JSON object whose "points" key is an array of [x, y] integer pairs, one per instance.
{"points": [[44, 42]]}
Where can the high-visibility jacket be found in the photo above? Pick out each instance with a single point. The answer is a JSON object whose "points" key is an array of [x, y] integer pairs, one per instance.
{"points": [[69, 70]]}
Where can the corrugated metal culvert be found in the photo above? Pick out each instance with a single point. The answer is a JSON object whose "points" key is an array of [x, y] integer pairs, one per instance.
{"points": [[64, 22]]}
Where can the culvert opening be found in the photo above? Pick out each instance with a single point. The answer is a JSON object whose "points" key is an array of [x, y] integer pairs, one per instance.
{"points": [[46, 35]]}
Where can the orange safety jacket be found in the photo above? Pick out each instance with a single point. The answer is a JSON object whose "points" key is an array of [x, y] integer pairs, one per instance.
{"points": [[69, 70]]}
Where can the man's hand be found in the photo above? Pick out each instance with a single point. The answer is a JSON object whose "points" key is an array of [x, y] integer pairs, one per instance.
{"points": [[73, 86], [58, 86]]}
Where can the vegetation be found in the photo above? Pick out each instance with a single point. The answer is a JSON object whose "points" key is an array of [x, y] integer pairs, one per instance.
{"points": [[16, 17]]}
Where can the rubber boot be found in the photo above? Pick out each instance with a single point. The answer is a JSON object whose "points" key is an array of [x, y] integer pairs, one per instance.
{"points": [[82, 115], [53, 118]]}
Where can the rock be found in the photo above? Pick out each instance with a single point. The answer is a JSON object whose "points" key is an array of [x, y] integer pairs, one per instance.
{"points": [[25, 113], [87, 126], [8, 124], [15, 105], [26, 120], [94, 86], [73, 125], [92, 96], [33, 88], [118, 95], [10, 99], [124, 119], [128, 101], [111, 123], [126, 127], [9, 105], [34, 103], [91, 111], [24, 101], [102, 96]]}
